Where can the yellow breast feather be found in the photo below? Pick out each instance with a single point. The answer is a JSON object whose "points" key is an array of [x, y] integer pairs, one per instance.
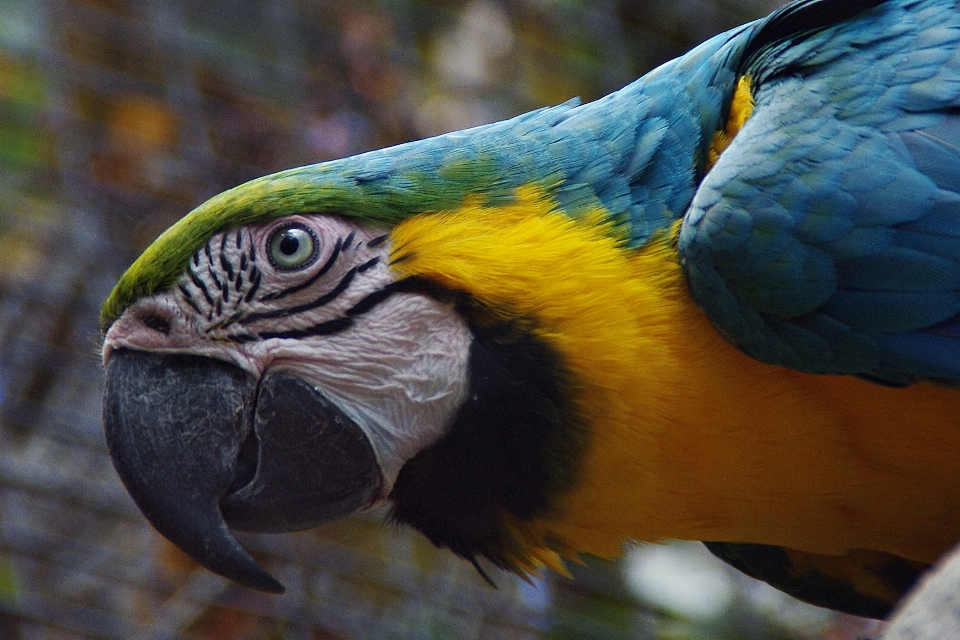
{"points": [[689, 437]]}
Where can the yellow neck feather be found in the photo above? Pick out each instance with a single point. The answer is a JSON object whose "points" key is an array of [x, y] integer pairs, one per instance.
{"points": [[690, 438], [741, 108]]}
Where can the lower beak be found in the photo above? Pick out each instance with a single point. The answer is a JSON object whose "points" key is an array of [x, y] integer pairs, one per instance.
{"points": [[202, 446]]}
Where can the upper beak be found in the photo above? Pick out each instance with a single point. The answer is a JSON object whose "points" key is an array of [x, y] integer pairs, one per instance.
{"points": [[202, 446]]}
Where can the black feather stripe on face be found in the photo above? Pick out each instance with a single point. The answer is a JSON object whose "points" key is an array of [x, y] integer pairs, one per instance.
{"points": [[513, 447]]}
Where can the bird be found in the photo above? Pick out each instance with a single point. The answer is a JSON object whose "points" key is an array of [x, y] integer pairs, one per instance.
{"points": [[720, 304]]}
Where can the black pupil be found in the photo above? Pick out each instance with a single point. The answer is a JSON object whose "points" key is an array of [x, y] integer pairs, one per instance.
{"points": [[289, 244]]}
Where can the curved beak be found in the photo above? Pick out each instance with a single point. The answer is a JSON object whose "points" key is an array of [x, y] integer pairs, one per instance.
{"points": [[202, 446]]}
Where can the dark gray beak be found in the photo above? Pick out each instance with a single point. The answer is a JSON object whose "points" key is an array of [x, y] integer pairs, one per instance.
{"points": [[202, 446]]}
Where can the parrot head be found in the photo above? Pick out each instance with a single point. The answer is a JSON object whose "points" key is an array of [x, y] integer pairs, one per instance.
{"points": [[280, 358], [584, 325]]}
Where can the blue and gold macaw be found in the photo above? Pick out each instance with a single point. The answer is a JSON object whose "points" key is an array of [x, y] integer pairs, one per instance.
{"points": [[720, 304]]}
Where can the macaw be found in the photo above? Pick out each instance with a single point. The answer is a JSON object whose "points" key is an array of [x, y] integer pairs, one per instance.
{"points": [[720, 304]]}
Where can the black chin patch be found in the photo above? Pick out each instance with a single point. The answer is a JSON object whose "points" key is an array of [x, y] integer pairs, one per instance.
{"points": [[513, 447]]}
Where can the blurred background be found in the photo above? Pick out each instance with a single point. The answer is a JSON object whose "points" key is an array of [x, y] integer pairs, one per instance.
{"points": [[116, 118]]}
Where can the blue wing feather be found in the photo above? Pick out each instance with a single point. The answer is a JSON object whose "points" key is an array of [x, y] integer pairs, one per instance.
{"points": [[827, 236]]}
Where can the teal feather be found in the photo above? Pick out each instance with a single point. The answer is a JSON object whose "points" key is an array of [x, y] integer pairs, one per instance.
{"points": [[826, 238]]}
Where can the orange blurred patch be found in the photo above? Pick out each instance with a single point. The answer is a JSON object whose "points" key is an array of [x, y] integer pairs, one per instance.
{"points": [[141, 126]]}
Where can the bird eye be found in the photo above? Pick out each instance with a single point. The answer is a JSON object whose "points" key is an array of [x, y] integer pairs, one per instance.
{"points": [[292, 247]]}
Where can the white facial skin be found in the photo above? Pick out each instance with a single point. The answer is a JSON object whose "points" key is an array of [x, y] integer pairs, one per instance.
{"points": [[399, 370]]}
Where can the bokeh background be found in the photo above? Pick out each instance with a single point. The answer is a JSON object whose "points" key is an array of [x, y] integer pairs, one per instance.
{"points": [[116, 118]]}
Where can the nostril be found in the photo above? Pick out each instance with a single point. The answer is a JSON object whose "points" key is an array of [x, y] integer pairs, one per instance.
{"points": [[157, 323]]}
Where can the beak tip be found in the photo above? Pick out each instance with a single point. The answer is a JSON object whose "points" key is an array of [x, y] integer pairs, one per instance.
{"points": [[266, 583], [235, 563]]}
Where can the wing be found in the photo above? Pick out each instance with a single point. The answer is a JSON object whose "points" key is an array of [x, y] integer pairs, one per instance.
{"points": [[861, 583], [827, 236]]}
